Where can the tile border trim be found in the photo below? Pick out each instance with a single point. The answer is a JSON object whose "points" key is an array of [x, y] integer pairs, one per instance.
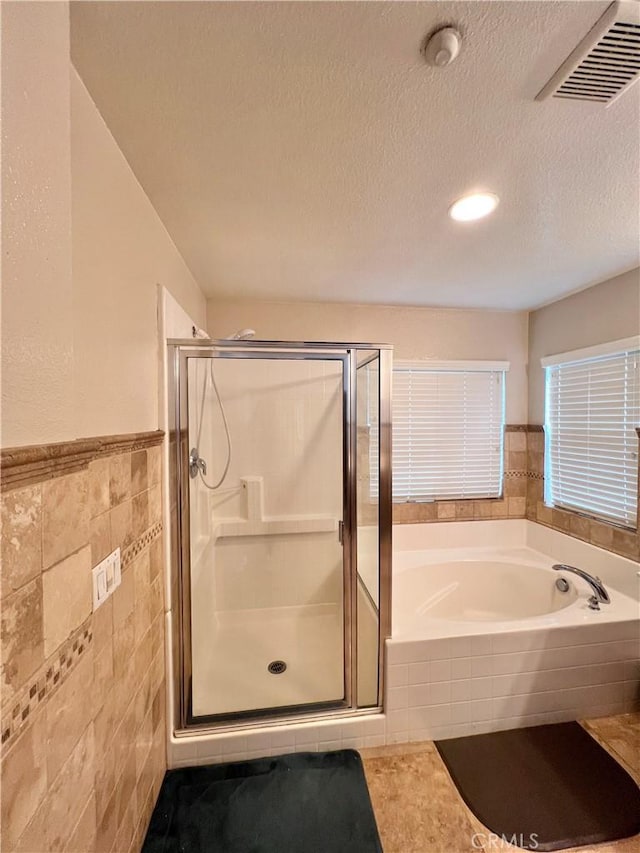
{"points": [[130, 553], [19, 711], [23, 466], [523, 428]]}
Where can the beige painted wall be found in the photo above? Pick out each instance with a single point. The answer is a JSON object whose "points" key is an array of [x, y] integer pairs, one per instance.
{"points": [[607, 312], [83, 252], [121, 252], [37, 324], [416, 333]]}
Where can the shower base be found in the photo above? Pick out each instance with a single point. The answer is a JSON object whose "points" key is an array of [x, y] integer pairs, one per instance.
{"points": [[231, 669]]}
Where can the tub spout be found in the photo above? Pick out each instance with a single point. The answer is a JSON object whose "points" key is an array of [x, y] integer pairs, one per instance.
{"points": [[600, 594]]}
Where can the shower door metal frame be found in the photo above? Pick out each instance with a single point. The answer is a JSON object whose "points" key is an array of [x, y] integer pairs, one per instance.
{"points": [[346, 353]]}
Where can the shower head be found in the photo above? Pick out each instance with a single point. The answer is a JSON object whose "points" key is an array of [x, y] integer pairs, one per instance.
{"points": [[241, 335]]}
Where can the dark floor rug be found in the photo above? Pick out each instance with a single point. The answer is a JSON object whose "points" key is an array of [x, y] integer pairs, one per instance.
{"points": [[302, 803], [545, 788]]}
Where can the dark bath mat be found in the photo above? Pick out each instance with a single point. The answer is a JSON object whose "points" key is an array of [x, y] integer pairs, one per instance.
{"points": [[544, 788], [304, 803]]}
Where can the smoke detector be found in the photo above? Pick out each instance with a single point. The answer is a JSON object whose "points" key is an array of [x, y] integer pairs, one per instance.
{"points": [[605, 64], [442, 47]]}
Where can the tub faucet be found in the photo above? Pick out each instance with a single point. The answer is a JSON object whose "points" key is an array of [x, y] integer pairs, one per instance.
{"points": [[600, 594]]}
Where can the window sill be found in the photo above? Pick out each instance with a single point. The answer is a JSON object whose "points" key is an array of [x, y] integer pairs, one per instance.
{"points": [[606, 522]]}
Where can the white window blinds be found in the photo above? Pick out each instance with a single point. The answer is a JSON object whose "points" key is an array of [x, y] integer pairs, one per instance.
{"points": [[448, 425], [592, 411]]}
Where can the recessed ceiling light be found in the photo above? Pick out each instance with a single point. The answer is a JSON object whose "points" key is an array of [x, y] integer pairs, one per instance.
{"points": [[475, 206]]}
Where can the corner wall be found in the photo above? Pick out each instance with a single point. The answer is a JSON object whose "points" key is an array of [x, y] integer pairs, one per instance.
{"points": [[606, 312], [83, 253], [37, 316], [83, 692], [610, 537], [121, 252]]}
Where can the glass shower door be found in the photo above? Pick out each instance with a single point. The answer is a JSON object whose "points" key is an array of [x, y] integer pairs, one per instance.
{"points": [[367, 393], [268, 583]]}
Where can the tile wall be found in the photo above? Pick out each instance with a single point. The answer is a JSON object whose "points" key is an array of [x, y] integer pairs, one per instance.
{"points": [[354, 733], [83, 693], [512, 504], [468, 685], [524, 498], [607, 536]]}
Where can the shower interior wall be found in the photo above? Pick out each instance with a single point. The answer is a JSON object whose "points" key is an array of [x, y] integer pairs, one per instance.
{"points": [[266, 590]]}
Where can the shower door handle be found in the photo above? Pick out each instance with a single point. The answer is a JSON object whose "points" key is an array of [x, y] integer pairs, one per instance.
{"points": [[341, 532]]}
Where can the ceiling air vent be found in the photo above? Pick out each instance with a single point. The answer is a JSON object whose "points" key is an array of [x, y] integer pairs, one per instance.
{"points": [[606, 62]]}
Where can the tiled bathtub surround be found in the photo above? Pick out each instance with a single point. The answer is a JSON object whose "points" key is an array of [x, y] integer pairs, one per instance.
{"points": [[466, 685], [83, 716], [449, 677], [524, 498], [512, 504], [607, 536]]}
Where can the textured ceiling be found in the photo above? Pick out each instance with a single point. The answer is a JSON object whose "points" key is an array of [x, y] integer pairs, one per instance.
{"points": [[305, 151]]}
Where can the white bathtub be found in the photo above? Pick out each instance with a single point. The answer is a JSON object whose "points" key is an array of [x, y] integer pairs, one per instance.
{"points": [[449, 592], [483, 640]]}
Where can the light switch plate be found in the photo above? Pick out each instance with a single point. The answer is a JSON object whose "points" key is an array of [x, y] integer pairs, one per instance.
{"points": [[106, 578]]}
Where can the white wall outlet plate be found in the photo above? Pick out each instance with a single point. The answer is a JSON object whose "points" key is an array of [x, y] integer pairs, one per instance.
{"points": [[107, 576]]}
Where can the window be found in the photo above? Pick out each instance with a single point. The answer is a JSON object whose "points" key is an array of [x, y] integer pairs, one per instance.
{"points": [[448, 426], [592, 406]]}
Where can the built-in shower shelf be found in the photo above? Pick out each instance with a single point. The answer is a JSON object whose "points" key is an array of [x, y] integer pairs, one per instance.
{"points": [[276, 527], [255, 524]]}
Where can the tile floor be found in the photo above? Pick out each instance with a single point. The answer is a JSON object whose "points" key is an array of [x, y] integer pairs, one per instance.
{"points": [[419, 810]]}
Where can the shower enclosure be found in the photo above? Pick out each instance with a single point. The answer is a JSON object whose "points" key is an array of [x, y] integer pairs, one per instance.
{"points": [[280, 528]]}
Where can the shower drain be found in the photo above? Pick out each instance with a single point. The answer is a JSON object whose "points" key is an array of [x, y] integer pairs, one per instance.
{"points": [[277, 667]]}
